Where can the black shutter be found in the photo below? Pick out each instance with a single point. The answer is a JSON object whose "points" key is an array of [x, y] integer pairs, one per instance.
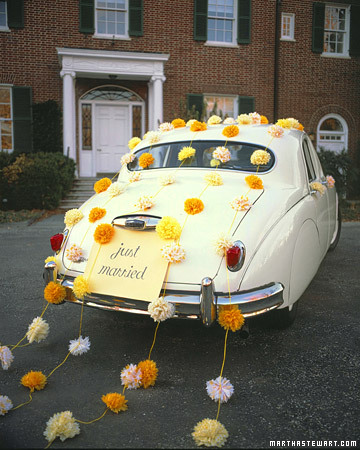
{"points": [[15, 13], [197, 101], [244, 21], [22, 116], [136, 17], [355, 30], [200, 20], [318, 27], [246, 104], [86, 11]]}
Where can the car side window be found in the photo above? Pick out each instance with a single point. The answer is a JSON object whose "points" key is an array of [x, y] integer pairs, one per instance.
{"points": [[309, 163]]}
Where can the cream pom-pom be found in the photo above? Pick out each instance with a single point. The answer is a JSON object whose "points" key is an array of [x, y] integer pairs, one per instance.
{"points": [[229, 121], [241, 203], [135, 176], [127, 158], [79, 346], [38, 330], [214, 179], [167, 179], [330, 181], [152, 137], [75, 253], [255, 118], [190, 122], [222, 153], [161, 309], [116, 188], [219, 389], [166, 126], [276, 131], [131, 376], [72, 217], [210, 432], [173, 253], [81, 287], [243, 119], [5, 404], [61, 425], [6, 357], [214, 120], [222, 244], [259, 157], [144, 202]]}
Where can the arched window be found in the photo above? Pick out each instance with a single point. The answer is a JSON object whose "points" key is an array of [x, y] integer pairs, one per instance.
{"points": [[332, 133]]}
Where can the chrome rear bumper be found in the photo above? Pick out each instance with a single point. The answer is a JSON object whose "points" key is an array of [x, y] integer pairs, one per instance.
{"points": [[201, 305]]}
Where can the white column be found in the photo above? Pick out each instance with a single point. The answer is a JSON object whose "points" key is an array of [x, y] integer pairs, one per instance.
{"points": [[69, 135], [158, 81], [150, 109]]}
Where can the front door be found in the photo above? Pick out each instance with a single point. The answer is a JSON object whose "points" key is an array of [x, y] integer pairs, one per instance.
{"points": [[112, 133]]}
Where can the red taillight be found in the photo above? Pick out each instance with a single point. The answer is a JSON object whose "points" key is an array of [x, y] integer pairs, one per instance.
{"points": [[56, 241], [233, 256]]}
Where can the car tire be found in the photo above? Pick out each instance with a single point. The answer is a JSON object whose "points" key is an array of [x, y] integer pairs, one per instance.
{"points": [[282, 318], [335, 241]]}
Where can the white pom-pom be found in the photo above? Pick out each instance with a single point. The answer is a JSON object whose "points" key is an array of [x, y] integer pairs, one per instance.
{"points": [[79, 346]]}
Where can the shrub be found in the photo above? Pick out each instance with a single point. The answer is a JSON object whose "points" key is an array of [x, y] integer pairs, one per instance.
{"points": [[37, 180], [47, 127], [341, 167]]}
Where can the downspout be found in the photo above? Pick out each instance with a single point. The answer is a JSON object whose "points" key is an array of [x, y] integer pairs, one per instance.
{"points": [[276, 58]]}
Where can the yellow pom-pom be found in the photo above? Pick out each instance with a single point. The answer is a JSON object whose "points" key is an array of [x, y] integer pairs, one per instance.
{"points": [[133, 142], [102, 185], [210, 432], [145, 160], [34, 380], [149, 372], [168, 228], [96, 214], [254, 182], [81, 287], [116, 402], [104, 233], [193, 206], [230, 317], [54, 293], [186, 152]]}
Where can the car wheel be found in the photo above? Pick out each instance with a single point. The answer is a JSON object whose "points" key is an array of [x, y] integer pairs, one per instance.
{"points": [[336, 237], [282, 318]]}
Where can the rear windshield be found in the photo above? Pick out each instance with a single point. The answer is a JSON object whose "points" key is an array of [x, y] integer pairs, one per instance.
{"points": [[166, 155]]}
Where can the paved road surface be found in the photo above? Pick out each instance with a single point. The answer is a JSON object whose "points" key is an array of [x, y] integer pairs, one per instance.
{"points": [[297, 384]]}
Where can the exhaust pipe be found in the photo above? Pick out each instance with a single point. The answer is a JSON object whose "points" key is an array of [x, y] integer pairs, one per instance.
{"points": [[244, 332]]}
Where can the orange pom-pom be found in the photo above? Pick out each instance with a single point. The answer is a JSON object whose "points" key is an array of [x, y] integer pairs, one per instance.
{"points": [[264, 120], [145, 160], [149, 372], [116, 402], [254, 182], [230, 131], [193, 206], [104, 233], [102, 185], [96, 214], [230, 317], [198, 126], [34, 380], [54, 293], [178, 123], [300, 127]]}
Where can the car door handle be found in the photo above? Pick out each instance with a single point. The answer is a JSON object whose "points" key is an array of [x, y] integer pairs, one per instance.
{"points": [[99, 149]]}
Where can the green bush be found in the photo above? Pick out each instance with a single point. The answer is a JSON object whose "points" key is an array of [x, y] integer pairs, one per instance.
{"points": [[36, 181], [341, 167], [47, 127]]}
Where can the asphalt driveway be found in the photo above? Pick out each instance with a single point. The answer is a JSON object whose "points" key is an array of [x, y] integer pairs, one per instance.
{"points": [[298, 384]]}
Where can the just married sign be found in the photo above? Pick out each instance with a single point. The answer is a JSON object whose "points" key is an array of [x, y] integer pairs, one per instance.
{"points": [[129, 266]]}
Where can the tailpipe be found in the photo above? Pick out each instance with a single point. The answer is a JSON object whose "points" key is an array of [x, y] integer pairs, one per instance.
{"points": [[244, 332]]}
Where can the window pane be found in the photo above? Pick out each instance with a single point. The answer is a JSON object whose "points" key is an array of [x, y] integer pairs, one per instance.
{"points": [[120, 28], [6, 142], [101, 15], [220, 35], [111, 28], [2, 7], [5, 111], [6, 127], [331, 124], [228, 36], [101, 28], [4, 95], [211, 24], [211, 35], [111, 16], [86, 126], [136, 110]]}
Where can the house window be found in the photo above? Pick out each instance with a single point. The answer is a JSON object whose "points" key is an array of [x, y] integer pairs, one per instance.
{"points": [[287, 26], [3, 16], [111, 17], [6, 122], [336, 30], [332, 133], [223, 106], [222, 21]]}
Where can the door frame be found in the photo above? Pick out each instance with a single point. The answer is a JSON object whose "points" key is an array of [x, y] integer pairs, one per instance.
{"points": [[87, 158]]}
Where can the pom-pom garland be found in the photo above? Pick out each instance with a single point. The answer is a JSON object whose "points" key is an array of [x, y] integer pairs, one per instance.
{"points": [[81, 287], [102, 185], [74, 253], [264, 120], [210, 432], [54, 293], [116, 189], [96, 214], [145, 160], [330, 181], [219, 389], [254, 182], [165, 180], [186, 152], [131, 377], [260, 157], [178, 123], [230, 317], [6, 357], [198, 126], [190, 122], [243, 119], [241, 203], [116, 402], [103, 233], [255, 118], [160, 309], [72, 217], [222, 244], [276, 131], [135, 176], [213, 179], [166, 126], [149, 373], [193, 206], [144, 202], [229, 121], [152, 137], [230, 131], [79, 346], [222, 154], [5, 404], [316, 186], [168, 228], [133, 142], [214, 120], [173, 253], [34, 380], [127, 158], [38, 330], [62, 425]]}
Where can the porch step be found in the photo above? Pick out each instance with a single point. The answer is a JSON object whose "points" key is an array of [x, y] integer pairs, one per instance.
{"points": [[82, 190]]}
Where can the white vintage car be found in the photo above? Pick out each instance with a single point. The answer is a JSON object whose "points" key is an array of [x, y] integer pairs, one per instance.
{"points": [[277, 240]]}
